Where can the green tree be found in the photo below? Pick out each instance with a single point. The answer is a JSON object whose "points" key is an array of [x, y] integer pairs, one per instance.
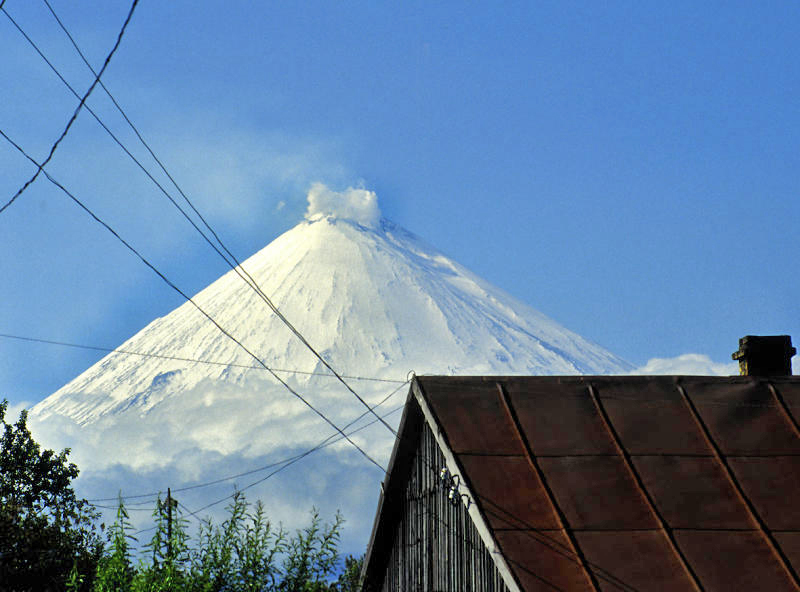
{"points": [[165, 565], [240, 555], [312, 556], [246, 553], [350, 578], [114, 571], [47, 535]]}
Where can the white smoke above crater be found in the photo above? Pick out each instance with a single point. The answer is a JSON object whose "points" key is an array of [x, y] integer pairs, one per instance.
{"points": [[376, 304], [358, 205]]}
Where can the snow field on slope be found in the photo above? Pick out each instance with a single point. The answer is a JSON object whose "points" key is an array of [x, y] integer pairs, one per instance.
{"points": [[373, 302]]}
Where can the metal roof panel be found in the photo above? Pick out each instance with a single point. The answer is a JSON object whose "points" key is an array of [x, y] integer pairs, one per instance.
{"points": [[726, 561], [509, 491], [790, 545], [597, 492], [789, 391], [772, 484], [616, 558], [473, 417], [559, 418], [692, 492], [651, 417], [743, 417], [543, 560]]}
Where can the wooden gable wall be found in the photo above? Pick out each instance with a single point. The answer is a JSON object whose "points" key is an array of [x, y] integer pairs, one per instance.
{"points": [[435, 545]]}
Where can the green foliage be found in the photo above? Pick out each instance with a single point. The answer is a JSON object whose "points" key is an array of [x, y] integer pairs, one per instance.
{"points": [[350, 578], [312, 556], [48, 540], [245, 553], [168, 551], [114, 571], [74, 579], [241, 554], [47, 535]]}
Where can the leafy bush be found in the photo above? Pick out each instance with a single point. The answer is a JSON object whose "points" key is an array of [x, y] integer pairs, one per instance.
{"points": [[47, 535], [246, 553], [49, 542]]}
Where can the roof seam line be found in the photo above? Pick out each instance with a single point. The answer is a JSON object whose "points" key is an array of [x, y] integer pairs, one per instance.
{"points": [[626, 459], [511, 415], [774, 547], [476, 512], [784, 409]]}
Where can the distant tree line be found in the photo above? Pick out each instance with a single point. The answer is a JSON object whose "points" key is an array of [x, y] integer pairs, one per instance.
{"points": [[50, 541]]}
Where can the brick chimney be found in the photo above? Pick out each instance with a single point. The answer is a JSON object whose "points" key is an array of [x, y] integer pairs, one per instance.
{"points": [[769, 355]]}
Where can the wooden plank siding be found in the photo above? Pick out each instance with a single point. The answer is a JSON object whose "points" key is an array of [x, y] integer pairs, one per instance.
{"points": [[436, 546]]}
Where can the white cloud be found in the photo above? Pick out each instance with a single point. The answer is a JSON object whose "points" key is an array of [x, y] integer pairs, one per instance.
{"points": [[358, 205], [218, 429], [688, 365], [14, 409], [240, 178], [254, 418]]}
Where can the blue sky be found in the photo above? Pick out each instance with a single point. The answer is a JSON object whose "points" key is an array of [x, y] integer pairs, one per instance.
{"points": [[630, 169]]}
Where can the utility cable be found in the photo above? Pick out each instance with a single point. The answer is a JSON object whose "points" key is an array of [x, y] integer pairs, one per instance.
{"points": [[653, 401], [182, 359], [235, 267], [540, 536], [328, 441], [112, 135], [236, 264], [285, 464], [299, 457], [72, 119], [192, 302]]}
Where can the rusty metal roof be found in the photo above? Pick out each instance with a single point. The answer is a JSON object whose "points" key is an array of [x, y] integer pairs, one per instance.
{"points": [[631, 483]]}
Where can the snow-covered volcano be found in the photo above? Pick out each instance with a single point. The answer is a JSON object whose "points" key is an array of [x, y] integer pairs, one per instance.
{"points": [[183, 406], [371, 297]]}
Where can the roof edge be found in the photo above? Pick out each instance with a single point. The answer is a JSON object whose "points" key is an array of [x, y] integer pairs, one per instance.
{"points": [[473, 510], [399, 462]]}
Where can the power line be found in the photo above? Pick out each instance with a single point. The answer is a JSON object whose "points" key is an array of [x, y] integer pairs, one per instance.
{"points": [[530, 531], [190, 300], [110, 133], [183, 359], [250, 281], [286, 463], [72, 119], [322, 444], [538, 535], [236, 264], [328, 441]]}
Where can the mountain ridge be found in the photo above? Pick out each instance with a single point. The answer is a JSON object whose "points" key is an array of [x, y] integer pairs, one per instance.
{"points": [[374, 299]]}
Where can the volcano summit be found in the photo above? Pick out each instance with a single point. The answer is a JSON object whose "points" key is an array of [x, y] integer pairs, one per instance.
{"points": [[374, 299], [180, 403]]}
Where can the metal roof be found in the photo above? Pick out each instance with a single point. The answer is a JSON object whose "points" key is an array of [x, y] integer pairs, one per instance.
{"points": [[629, 483]]}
